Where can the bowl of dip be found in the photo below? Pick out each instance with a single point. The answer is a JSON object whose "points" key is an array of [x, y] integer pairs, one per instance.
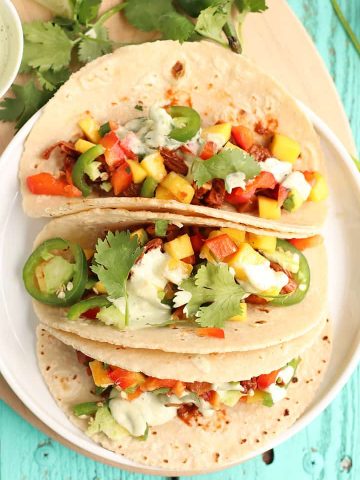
{"points": [[11, 44]]}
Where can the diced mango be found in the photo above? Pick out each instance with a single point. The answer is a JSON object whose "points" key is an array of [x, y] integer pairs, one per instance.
{"points": [[141, 234], [221, 130], [262, 242], [269, 208], [179, 187], [100, 288], [100, 375], [231, 146], [258, 397], [206, 254], [89, 253], [183, 267], [242, 317], [180, 247], [237, 236], [285, 148], [154, 166], [215, 233], [244, 256], [91, 129], [163, 193], [320, 190], [82, 145], [138, 172]]}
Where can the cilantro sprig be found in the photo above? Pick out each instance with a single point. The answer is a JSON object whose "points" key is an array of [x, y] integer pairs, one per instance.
{"points": [[224, 163], [215, 295]]}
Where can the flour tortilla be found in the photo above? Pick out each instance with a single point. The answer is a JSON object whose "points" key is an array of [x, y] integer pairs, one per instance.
{"points": [[220, 85], [230, 437], [265, 325]]}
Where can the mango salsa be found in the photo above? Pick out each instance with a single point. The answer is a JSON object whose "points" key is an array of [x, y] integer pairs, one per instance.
{"points": [[179, 187], [221, 130], [269, 208], [320, 190], [244, 256], [179, 248], [237, 236], [262, 242], [100, 288], [154, 166], [82, 145], [163, 193], [90, 127], [138, 172], [100, 375], [242, 317], [285, 148]]}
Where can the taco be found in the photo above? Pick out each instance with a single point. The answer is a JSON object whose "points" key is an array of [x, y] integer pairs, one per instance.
{"points": [[187, 285], [187, 128], [182, 425]]}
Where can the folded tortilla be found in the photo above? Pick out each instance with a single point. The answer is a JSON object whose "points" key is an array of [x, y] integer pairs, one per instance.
{"points": [[266, 325], [230, 436], [220, 85]]}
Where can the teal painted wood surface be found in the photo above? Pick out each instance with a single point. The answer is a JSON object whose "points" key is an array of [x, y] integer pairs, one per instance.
{"points": [[329, 448]]}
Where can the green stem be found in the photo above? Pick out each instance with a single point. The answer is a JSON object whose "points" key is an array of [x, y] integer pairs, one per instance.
{"points": [[346, 25], [232, 37], [109, 13]]}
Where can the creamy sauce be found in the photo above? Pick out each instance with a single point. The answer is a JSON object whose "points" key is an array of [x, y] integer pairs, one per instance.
{"points": [[234, 180], [277, 393], [279, 169], [296, 181], [262, 277], [285, 375]]}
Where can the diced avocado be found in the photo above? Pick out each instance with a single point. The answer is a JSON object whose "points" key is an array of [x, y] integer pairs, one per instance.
{"points": [[92, 170], [230, 398], [57, 272], [293, 201], [111, 316], [286, 259], [105, 422]]}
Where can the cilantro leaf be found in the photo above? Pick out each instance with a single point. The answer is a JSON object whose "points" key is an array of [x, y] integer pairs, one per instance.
{"points": [[174, 26], [161, 227], [87, 10], [251, 5], [28, 100], [114, 258], [96, 44], [213, 285], [212, 19], [224, 163], [46, 46], [145, 15], [51, 80]]}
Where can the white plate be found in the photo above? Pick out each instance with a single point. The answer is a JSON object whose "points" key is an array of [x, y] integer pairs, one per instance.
{"points": [[17, 340]]}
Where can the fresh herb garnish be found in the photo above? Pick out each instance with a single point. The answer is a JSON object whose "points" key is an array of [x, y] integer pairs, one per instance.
{"points": [[161, 227], [215, 295], [211, 21], [224, 163]]}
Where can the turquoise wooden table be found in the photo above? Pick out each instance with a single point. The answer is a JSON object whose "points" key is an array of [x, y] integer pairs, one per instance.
{"points": [[330, 447]]}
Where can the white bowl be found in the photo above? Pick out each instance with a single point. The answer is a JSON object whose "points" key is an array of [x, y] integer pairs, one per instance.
{"points": [[11, 45]]}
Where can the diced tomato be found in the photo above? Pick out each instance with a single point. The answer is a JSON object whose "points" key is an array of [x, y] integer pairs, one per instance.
{"points": [[152, 383], [178, 389], [91, 313], [221, 246], [213, 398], [82, 358], [261, 181], [210, 332], [243, 137], [191, 260], [303, 243], [126, 378], [200, 388], [125, 144], [282, 194], [121, 178], [197, 242], [136, 394], [114, 154], [47, 184], [209, 150], [265, 380]]}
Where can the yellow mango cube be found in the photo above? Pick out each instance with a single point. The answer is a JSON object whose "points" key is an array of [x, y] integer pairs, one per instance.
{"points": [[205, 254], [242, 317], [269, 208], [163, 193], [262, 242], [285, 148], [90, 127], [141, 235], [179, 248], [183, 268], [320, 190], [179, 187], [244, 256], [215, 233], [230, 146], [237, 236], [154, 166], [258, 397], [138, 173], [221, 131], [100, 288], [83, 146], [100, 376]]}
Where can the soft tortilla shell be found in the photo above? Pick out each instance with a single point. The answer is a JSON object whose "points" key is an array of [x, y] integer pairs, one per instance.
{"points": [[231, 437], [217, 83], [264, 327]]}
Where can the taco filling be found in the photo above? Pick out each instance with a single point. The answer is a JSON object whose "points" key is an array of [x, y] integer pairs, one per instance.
{"points": [[132, 402], [168, 156], [164, 274]]}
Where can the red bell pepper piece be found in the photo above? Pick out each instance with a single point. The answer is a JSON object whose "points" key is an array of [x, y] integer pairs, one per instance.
{"points": [[210, 332], [152, 383], [303, 243], [121, 178], [91, 313], [261, 181], [282, 194], [265, 380], [309, 177], [221, 246], [213, 398], [208, 150], [243, 136], [46, 184], [114, 154], [197, 242], [191, 260], [125, 378]]}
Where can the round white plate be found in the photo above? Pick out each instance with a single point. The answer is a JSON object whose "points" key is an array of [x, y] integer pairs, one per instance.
{"points": [[17, 340]]}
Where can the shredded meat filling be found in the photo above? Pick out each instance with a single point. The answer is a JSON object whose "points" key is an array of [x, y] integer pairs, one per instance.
{"points": [[173, 162], [259, 152], [65, 147], [249, 384], [215, 198]]}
